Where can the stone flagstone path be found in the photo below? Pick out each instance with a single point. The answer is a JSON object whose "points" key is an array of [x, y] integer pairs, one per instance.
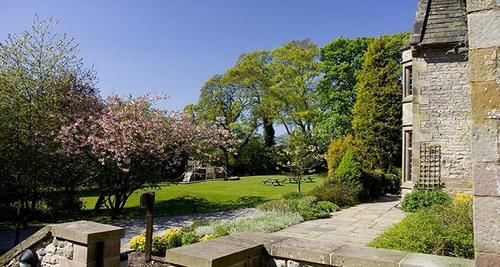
{"points": [[356, 225]]}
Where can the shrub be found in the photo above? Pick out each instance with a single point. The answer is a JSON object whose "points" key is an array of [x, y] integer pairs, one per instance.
{"points": [[419, 199], [308, 207], [158, 247], [172, 238], [441, 229], [204, 230], [266, 222], [337, 192], [138, 243], [189, 238], [280, 205], [208, 237], [336, 151], [327, 206], [349, 170]]}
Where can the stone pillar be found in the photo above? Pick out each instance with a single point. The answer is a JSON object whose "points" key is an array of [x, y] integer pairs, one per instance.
{"points": [[484, 72], [94, 244]]}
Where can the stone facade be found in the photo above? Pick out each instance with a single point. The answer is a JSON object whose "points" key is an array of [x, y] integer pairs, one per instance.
{"points": [[484, 71], [440, 100], [441, 113]]}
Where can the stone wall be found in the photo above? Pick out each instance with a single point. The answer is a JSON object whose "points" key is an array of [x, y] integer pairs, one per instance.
{"points": [[51, 251], [79, 243], [441, 113], [484, 59]]}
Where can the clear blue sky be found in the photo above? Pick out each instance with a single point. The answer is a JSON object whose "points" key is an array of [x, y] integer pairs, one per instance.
{"points": [[174, 46]]}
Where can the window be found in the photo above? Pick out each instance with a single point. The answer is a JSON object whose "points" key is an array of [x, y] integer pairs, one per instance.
{"points": [[407, 155], [408, 78]]}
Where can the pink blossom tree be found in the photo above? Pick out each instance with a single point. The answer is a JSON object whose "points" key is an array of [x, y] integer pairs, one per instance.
{"points": [[136, 144]]}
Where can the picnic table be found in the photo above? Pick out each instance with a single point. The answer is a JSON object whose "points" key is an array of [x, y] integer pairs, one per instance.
{"points": [[274, 181], [295, 180]]}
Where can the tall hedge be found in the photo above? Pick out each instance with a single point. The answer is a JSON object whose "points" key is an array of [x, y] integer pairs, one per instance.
{"points": [[377, 111]]}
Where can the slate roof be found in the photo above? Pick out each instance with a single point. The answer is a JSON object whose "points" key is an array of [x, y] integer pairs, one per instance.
{"points": [[439, 22]]}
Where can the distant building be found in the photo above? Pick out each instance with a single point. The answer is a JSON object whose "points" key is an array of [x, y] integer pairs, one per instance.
{"points": [[436, 98]]}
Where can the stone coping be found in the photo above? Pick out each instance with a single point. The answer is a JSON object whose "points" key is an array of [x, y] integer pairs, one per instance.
{"points": [[236, 248], [86, 232]]}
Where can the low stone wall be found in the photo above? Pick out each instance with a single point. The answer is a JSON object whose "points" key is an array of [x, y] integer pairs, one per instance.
{"points": [[270, 250], [80, 243]]}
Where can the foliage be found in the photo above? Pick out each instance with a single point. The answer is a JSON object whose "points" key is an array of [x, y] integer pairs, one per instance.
{"points": [[170, 239], [349, 170], [136, 144], [138, 243], [420, 199], [337, 192], [341, 60], [295, 67], [377, 111], [336, 150], [442, 229], [189, 238], [43, 84], [264, 222], [299, 155], [308, 207]]}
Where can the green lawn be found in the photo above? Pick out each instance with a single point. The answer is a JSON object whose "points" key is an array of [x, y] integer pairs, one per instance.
{"points": [[180, 199]]}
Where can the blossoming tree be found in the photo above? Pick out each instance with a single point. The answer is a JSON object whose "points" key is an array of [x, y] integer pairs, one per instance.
{"points": [[136, 144]]}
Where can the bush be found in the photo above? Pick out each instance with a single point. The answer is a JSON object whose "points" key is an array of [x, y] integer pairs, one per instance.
{"points": [[189, 238], [349, 170], [263, 221], [441, 229], [171, 239], [327, 206], [420, 199], [308, 207], [337, 192], [336, 151], [138, 243]]}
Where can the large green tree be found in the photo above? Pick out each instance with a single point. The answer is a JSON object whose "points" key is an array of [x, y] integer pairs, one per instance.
{"points": [[43, 83], [295, 68], [377, 111], [341, 60]]}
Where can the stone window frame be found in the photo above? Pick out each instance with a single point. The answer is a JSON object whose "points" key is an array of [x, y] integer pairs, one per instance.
{"points": [[407, 155], [408, 81]]}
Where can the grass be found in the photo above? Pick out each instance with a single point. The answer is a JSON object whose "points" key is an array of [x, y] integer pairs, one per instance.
{"points": [[211, 196]]}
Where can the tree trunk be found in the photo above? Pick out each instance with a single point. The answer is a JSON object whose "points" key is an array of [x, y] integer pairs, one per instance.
{"points": [[268, 132], [100, 201]]}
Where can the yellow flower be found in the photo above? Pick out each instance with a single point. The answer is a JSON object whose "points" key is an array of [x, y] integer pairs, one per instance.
{"points": [[137, 242], [462, 198], [208, 237]]}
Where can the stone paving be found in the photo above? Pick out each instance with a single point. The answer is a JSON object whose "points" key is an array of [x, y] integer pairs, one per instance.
{"points": [[356, 225]]}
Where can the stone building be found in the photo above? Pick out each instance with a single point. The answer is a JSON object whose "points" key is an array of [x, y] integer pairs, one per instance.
{"points": [[436, 98], [451, 109]]}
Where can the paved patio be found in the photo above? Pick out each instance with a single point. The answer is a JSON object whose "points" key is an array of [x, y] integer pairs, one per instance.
{"points": [[356, 225]]}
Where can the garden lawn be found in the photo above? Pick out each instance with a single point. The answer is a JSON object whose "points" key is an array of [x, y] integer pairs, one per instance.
{"points": [[210, 196]]}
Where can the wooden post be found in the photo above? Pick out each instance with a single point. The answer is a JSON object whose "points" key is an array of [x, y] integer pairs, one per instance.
{"points": [[147, 201]]}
